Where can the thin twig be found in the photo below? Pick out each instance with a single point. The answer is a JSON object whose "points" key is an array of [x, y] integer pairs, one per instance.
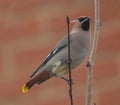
{"points": [[93, 51], [69, 62], [94, 103]]}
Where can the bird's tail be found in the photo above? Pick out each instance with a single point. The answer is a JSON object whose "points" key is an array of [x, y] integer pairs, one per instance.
{"points": [[39, 78]]}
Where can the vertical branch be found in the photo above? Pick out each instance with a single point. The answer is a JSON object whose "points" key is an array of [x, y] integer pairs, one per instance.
{"points": [[93, 51], [96, 31], [69, 62]]}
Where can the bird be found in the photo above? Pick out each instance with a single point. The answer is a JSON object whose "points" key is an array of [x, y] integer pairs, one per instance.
{"points": [[56, 63]]}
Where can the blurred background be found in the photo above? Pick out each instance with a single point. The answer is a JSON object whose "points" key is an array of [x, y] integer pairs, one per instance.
{"points": [[29, 29]]}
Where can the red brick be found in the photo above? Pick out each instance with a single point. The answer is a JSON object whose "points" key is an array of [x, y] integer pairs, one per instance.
{"points": [[1, 64], [110, 97], [104, 9], [30, 57], [58, 24], [77, 100], [1, 60], [22, 5], [10, 88], [110, 42], [27, 62], [105, 70], [80, 73], [5, 3], [18, 31], [18, 4], [1, 25]]}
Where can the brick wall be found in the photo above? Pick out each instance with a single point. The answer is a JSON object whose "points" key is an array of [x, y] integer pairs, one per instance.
{"points": [[29, 29]]}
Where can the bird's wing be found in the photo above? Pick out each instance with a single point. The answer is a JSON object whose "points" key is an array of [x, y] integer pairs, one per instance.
{"points": [[62, 44]]}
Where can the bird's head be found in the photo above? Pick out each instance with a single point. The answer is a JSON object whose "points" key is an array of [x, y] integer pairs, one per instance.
{"points": [[83, 22]]}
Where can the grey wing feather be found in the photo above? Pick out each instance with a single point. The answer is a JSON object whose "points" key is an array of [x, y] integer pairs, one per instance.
{"points": [[61, 44]]}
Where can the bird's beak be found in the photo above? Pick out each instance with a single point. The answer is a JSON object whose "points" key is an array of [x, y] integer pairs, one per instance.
{"points": [[87, 18], [72, 21]]}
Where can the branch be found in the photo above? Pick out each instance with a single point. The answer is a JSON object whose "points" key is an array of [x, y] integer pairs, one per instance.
{"points": [[93, 51], [69, 62]]}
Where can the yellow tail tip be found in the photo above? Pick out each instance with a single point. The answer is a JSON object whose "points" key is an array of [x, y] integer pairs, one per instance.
{"points": [[25, 89]]}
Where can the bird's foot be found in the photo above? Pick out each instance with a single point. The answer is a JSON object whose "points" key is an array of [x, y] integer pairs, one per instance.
{"points": [[70, 82]]}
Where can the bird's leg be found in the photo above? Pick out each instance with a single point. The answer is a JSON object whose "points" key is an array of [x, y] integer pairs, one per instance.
{"points": [[64, 78], [70, 82]]}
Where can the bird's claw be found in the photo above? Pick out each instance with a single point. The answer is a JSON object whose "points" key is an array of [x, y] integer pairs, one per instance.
{"points": [[70, 82]]}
